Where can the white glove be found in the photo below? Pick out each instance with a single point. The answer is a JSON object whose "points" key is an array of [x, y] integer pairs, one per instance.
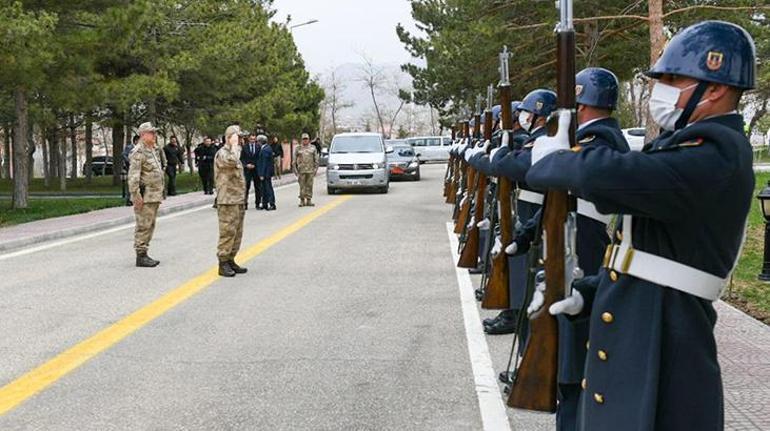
{"points": [[484, 224], [492, 154], [469, 153], [471, 222], [571, 305], [547, 144], [505, 140], [486, 146], [511, 249], [538, 299], [497, 247], [462, 201]]}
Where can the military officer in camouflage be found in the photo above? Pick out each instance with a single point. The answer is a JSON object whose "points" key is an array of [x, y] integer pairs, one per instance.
{"points": [[231, 189], [145, 185], [305, 166]]}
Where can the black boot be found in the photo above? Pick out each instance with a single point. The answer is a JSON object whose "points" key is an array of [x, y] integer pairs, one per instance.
{"points": [[505, 325], [225, 270], [492, 320], [236, 268], [144, 261], [505, 377]]}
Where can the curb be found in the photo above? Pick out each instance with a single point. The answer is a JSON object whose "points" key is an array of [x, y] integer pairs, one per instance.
{"points": [[13, 245]]}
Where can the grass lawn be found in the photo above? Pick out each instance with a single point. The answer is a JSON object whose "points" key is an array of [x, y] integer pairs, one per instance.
{"points": [[185, 182], [746, 292], [47, 208]]}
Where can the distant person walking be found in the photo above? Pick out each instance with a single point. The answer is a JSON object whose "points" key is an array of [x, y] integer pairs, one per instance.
{"points": [[126, 165], [230, 205], [265, 170], [174, 159], [249, 158], [204, 159], [145, 185], [305, 167], [277, 148]]}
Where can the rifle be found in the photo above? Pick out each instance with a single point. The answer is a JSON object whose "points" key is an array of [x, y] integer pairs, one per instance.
{"points": [[469, 257], [535, 381], [452, 195], [468, 176], [473, 177], [496, 293], [448, 174]]}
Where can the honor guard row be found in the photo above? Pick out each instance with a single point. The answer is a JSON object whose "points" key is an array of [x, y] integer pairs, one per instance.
{"points": [[605, 262]]}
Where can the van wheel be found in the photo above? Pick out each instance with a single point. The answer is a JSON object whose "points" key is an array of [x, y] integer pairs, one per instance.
{"points": [[417, 177], [384, 190], [331, 190]]}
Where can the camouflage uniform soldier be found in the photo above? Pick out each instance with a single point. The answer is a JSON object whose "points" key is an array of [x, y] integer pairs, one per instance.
{"points": [[231, 188], [145, 184], [305, 166]]}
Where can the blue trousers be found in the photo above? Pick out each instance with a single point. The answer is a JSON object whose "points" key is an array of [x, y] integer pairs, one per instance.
{"points": [[266, 192]]}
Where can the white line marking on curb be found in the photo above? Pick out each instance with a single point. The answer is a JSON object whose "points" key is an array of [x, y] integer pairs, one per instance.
{"points": [[108, 231], [493, 415]]}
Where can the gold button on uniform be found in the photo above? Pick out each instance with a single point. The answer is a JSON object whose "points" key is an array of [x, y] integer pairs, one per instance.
{"points": [[607, 317], [602, 355], [599, 398], [613, 276], [584, 384]]}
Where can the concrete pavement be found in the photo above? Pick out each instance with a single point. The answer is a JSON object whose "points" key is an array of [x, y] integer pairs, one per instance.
{"points": [[349, 320]]}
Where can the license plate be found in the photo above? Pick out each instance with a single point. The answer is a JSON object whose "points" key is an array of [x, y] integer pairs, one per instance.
{"points": [[397, 171], [355, 182]]}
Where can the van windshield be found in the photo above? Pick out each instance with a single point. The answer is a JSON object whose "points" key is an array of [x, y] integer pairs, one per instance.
{"points": [[356, 144]]}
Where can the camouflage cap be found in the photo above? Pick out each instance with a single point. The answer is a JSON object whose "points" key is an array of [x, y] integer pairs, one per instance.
{"points": [[232, 130], [146, 128], [305, 136]]}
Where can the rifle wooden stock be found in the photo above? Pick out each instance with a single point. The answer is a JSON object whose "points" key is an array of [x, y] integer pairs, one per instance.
{"points": [[465, 208], [535, 382], [448, 173], [496, 293], [469, 257]]}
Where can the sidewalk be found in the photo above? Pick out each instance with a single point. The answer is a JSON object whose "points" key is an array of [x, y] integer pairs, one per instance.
{"points": [[743, 344], [18, 236], [762, 167]]}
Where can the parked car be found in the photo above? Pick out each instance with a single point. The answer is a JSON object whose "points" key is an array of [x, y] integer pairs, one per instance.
{"points": [[323, 158], [635, 137], [431, 148], [403, 162], [100, 165], [357, 161]]}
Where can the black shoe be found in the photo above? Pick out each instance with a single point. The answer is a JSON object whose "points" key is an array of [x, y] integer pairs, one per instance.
{"points": [[236, 268], [475, 271], [144, 261], [260, 208], [225, 270], [503, 326], [505, 314], [271, 208], [479, 294], [505, 377]]}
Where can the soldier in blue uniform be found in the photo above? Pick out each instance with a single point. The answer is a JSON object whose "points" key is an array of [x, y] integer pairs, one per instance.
{"points": [[652, 362], [513, 164], [597, 98]]}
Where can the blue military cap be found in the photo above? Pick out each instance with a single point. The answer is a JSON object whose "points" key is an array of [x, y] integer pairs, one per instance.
{"points": [[540, 102], [711, 51], [597, 87]]}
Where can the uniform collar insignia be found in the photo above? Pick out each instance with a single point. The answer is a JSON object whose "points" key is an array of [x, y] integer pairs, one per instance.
{"points": [[578, 90]]}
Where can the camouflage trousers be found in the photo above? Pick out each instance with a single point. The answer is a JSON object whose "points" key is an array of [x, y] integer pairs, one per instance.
{"points": [[230, 230], [306, 185], [145, 226]]}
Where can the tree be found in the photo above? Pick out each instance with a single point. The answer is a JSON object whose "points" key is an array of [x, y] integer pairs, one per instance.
{"points": [[373, 78], [335, 102]]}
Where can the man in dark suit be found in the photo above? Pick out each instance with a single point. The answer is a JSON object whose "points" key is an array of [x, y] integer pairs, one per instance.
{"points": [[249, 156], [265, 170]]}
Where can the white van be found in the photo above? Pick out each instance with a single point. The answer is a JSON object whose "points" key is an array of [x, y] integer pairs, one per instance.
{"points": [[357, 161], [431, 148]]}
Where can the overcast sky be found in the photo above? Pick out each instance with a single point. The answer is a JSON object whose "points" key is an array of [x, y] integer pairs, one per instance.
{"points": [[347, 28]]}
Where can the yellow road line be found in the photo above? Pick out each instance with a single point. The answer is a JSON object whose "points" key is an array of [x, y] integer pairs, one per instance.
{"points": [[36, 380]]}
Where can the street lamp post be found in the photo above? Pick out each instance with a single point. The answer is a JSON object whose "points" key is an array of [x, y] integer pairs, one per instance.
{"points": [[312, 21], [764, 203]]}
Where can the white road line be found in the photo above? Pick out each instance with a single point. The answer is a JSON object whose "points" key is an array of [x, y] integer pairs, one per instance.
{"points": [[78, 238], [493, 414]]}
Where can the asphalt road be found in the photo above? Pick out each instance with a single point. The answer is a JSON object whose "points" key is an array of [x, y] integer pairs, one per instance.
{"points": [[349, 318]]}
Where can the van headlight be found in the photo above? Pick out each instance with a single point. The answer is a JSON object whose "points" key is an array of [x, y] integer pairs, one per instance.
{"points": [[334, 167], [375, 166], [414, 164]]}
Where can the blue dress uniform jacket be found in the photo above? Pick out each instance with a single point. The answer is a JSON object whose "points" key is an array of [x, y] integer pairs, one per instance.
{"points": [[514, 166], [652, 360]]}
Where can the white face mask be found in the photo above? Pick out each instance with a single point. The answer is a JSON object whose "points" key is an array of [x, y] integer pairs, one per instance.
{"points": [[524, 120], [663, 107]]}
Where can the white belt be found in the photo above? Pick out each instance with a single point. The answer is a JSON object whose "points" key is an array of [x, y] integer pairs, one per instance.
{"points": [[588, 209], [531, 197], [659, 270]]}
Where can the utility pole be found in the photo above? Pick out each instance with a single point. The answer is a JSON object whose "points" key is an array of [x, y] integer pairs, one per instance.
{"points": [[657, 43]]}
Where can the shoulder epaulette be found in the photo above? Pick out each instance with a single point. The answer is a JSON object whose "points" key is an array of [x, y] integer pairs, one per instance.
{"points": [[587, 139], [691, 143]]}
